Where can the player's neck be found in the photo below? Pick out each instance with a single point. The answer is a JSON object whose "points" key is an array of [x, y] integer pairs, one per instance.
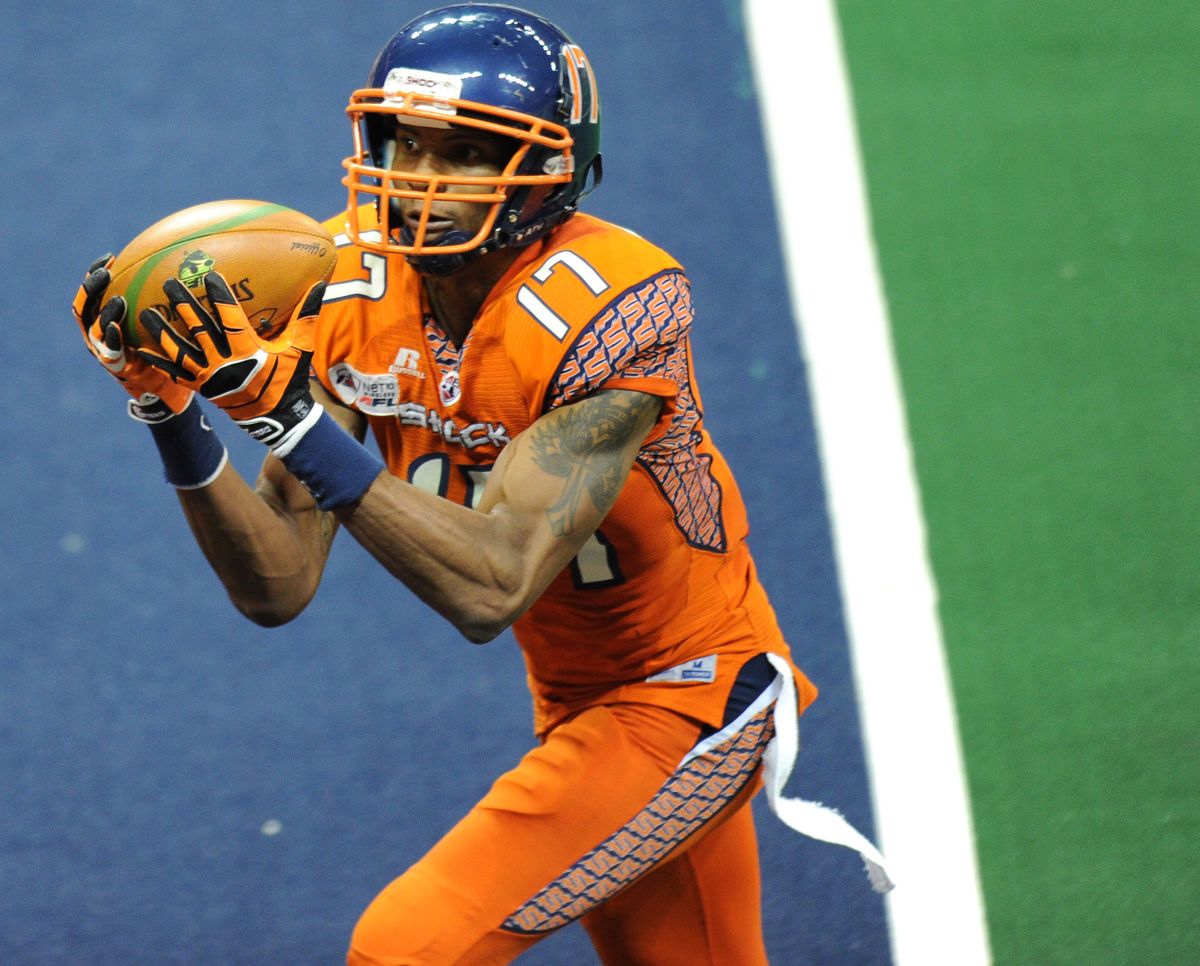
{"points": [[455, 299]]}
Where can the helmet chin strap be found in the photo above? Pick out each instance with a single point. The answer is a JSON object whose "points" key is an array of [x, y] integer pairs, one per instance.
{"points": [[443, 264], [503, 236], [438, 265]]}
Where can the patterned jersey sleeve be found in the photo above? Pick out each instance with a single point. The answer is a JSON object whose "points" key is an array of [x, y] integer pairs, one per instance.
{"points": [[638, 341]]}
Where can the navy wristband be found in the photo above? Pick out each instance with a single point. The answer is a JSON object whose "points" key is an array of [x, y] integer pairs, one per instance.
{"points": [[192, 455], [335, 468]]}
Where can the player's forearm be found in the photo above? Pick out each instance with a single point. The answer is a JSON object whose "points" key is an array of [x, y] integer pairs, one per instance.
{"points": [[546, 494], [265, 555], [468, 566]]}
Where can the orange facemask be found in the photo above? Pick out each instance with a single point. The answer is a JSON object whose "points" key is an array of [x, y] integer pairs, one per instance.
{"points": [[371, 180]]}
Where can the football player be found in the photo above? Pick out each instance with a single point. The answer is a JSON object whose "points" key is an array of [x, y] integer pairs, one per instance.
{"points": [[526, 371]]}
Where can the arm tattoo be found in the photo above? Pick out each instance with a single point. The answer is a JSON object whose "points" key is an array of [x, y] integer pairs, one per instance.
{"points": [[583, 446]]}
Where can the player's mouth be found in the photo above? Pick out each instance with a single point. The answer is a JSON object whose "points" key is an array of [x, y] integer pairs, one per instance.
{"points": [[434, 228]]}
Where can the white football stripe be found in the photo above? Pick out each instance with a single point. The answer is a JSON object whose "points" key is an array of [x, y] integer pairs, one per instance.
{"points": [[906, 708]]}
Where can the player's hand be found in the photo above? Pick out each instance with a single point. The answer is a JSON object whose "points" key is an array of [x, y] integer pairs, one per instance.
{"points": [[155, 396], [261, 384]]}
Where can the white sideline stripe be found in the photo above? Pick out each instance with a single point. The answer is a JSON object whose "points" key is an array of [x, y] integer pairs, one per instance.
{"points": [[907, 713]]}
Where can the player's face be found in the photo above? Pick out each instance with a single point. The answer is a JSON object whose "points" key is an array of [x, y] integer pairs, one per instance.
{"points": [[449, 152]]}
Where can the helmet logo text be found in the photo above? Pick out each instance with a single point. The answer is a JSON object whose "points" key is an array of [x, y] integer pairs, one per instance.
{"points": [[442, 88]]}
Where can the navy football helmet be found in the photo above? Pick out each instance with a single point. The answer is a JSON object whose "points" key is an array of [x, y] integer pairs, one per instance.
{"points": [[495, 69]]}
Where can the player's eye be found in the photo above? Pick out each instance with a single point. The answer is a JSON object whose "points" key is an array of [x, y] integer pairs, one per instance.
{"points": [[464, 152], [480, 151]]}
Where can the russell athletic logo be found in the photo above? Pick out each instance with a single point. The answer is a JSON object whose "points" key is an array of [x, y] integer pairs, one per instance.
{"points": [[408, 363]]}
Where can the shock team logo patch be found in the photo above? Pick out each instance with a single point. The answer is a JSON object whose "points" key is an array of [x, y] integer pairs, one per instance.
{"points": [[450, 388], [692, 796]]}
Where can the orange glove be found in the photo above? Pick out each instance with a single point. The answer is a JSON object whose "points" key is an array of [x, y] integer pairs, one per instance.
{"points": [[155, 396], [261, 384]]}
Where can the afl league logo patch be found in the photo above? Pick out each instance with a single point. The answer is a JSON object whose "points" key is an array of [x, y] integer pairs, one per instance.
{"points": [[450, 389]]}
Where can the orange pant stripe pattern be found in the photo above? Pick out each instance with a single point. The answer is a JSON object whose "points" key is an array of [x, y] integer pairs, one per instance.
{"points": [[689, 798]]}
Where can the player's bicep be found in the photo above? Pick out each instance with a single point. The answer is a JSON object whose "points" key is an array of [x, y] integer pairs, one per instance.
{"points": [[560, 477]]}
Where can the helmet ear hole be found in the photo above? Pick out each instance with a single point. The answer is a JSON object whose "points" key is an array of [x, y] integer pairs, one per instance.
{"points": [[524, 213]]}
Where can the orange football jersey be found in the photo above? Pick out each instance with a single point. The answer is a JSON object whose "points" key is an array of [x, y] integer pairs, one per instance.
{"points": [[664, 594]]}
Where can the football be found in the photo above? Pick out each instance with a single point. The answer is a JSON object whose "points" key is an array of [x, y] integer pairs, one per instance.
{"points": [[270, 256]]}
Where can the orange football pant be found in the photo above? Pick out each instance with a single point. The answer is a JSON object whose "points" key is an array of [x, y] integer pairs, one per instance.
{"points": [[603, 824]]}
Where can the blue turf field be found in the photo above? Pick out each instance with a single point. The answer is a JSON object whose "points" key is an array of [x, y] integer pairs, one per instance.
{"points": [[148, 735]]}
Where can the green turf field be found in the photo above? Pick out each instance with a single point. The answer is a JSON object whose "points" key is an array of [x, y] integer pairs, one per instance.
{"points": [[1034, 178]]}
